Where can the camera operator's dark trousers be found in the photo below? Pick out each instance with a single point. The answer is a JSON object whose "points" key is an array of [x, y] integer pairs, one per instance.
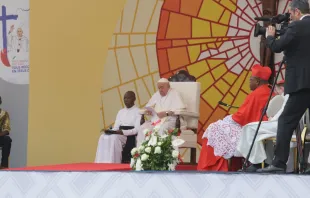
{"points": [[294, 109], [5, 144]]}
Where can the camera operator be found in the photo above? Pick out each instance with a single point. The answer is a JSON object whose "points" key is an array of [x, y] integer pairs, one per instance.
{"points": [[296, 46]]}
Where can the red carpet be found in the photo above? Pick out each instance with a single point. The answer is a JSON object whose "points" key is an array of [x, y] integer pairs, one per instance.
{"points": [[92, 167]]}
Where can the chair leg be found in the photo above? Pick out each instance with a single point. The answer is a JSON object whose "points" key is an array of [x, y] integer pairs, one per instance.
{"points": [[295, 159], [193, 156]]}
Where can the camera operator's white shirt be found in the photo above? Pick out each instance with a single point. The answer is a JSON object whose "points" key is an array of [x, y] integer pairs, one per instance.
{"points": [[304, 16]]}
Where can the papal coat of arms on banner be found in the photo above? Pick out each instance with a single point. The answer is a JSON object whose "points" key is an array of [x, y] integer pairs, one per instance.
{"points": [[14, 41]]}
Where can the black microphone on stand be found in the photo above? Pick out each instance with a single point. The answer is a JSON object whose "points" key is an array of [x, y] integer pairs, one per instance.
{"points": [[227, 105]]}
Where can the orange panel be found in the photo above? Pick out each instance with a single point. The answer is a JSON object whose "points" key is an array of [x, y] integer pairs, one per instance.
{"points": [[200, 132], [167, 75], [163, 61], [163, 44], [190, 7], [172, 5], [162, 28], [219, 113], [179, 26], [178, 57], [205, 111], [179, 43]]}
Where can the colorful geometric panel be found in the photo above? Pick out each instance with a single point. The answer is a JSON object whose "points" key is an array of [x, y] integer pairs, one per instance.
{"points": [[132, 62], [213, 40]]}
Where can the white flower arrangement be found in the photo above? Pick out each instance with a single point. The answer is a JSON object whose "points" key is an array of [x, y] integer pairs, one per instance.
{"points": [[157, 152]]}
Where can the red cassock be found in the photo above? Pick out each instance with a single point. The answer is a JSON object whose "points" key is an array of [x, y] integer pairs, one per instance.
{"points": [[250, 111]]}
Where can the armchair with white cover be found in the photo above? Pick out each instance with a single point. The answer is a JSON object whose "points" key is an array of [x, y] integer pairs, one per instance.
{"points": [[190, 93]]}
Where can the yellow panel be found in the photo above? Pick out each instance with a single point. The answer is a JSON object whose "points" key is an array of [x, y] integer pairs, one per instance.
{"points": [[232, 110], [218, 44], [225, 39], [211, 45], [222, 86], [200, 28], [206, 81], [212, 96], [229, 5], [238, 83], [230, 77], [228, 99], [215, 62], [218, 30], [68, 100], [143, 93], [204, 47], [239, 99], [198, 41], [211, 10], [197, 69], [246, 86], [194, 52], [226, 17], [219, 71], [115, 101]]}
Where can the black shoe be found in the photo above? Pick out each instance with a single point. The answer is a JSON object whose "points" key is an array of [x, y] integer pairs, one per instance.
{"points": [[307, 171], [251, 169], [271, 169]]}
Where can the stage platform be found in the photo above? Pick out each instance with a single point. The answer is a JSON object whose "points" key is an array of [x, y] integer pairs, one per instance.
{"points": [[116, 180]]}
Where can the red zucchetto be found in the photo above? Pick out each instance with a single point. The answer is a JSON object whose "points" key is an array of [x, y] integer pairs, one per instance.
{"points": [[261, 72]]}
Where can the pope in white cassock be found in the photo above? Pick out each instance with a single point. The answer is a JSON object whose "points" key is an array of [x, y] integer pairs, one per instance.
{"points": [[267, 130], [17, 43], [110, 146], [160, 109]]}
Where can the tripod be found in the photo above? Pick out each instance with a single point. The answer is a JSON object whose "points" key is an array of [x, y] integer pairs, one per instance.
{"points": [[262, 116]]}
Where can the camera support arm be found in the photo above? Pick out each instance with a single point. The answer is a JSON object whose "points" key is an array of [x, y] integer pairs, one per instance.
{"points": [[266, 56]]}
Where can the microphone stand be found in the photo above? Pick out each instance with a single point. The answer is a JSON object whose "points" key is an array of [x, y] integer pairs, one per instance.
{"points": [[227, 105], [262, 116]]}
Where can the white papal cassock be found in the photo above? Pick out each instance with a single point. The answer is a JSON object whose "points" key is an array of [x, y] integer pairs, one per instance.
{"points": [[110, 147], [267, 130], [171, 102]]}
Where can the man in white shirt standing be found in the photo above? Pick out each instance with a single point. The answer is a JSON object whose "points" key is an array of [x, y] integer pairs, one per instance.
{"points": [[110, 146], [160, 109]]}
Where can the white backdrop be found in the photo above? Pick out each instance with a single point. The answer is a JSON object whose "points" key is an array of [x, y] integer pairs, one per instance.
{"points": [[155, 185]]}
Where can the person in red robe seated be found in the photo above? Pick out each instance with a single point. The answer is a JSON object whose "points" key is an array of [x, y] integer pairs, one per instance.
{"points": [[221, 138]]}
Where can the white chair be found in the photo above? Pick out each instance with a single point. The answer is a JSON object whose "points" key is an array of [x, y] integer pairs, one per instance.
{"points": [[274, 106], [190, 93]]}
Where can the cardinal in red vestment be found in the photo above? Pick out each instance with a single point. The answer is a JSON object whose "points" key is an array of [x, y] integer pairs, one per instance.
{"points": [[221, 138]]}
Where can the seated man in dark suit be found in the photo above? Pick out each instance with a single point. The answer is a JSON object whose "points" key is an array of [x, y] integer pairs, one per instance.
{"points": [[5, 140]]}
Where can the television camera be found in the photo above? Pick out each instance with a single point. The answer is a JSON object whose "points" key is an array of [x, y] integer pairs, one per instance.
{"points": [[281, 19]]}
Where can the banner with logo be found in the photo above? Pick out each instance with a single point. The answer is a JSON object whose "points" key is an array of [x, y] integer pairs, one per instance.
{"points": [[14, 73], [14, 41]]}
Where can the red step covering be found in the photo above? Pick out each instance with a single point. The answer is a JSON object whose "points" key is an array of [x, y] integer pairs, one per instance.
{"points": [[91, 167]]}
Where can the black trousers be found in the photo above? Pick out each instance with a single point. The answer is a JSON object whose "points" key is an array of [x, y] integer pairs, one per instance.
{"points": [[5, 144], [294, 109]]}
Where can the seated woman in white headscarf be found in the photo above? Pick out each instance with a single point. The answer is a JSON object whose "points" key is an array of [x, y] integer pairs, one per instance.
{"points": [[267, 130], [110, 146], [160, 109]]}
